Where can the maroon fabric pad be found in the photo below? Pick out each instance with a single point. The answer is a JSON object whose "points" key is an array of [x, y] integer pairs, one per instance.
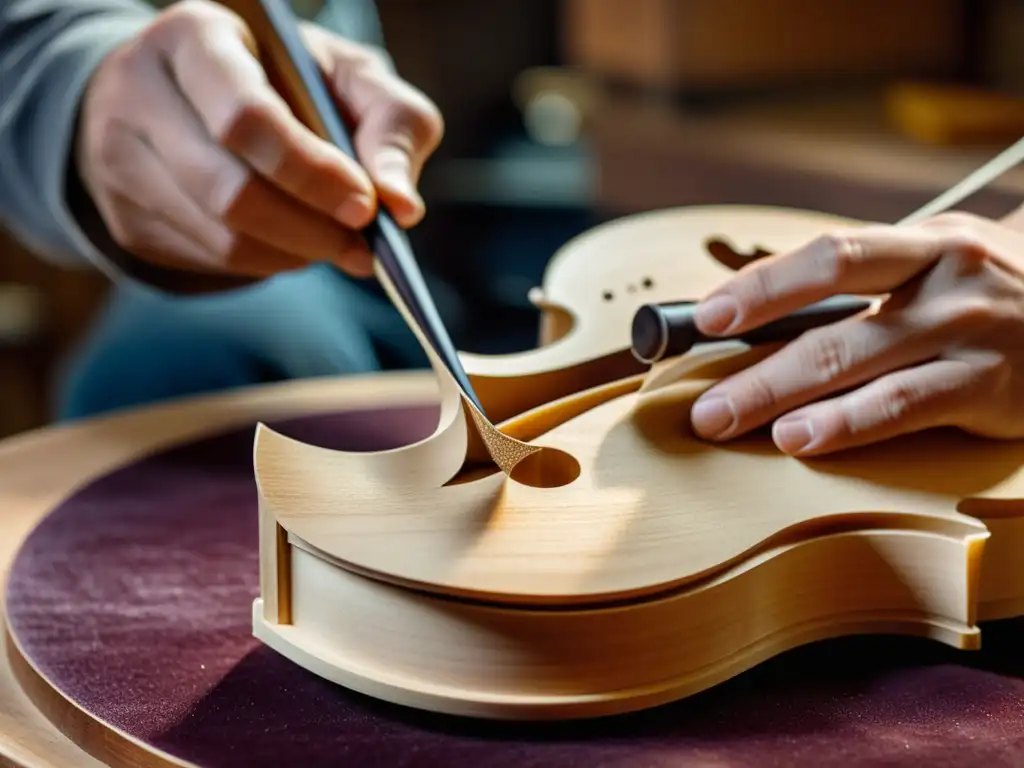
{"points": [[134, 598]]}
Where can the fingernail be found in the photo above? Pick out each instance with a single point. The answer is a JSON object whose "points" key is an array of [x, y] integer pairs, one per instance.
{"points": [[717, 314], [399, 183], [396, 178], [355, 212], [792, 435], [713, 418]]}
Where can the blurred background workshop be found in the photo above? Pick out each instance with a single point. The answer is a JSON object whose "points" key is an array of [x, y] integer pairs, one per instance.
{"points": [[560, 115]]}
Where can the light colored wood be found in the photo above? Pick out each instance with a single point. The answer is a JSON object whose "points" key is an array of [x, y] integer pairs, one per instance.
{"points": [[39, 469], [934, 573], [481, 570], [430, 577], [486, 569]]}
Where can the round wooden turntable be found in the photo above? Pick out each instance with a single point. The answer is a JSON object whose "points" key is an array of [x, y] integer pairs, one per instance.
{"points": [[130, 601]]}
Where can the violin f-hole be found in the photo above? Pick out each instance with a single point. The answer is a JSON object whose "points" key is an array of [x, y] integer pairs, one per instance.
{"points": [[722, 252]]}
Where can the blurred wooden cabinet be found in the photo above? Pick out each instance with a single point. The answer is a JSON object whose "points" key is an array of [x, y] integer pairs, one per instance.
{"points": [[698, 45], [43, 311], [791, 95]]}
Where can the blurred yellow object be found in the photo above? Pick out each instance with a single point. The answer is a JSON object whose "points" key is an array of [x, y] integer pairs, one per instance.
{"points": [[954, 115]]}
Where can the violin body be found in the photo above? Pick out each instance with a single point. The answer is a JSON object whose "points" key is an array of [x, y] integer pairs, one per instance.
{"points": [[573, 550]]}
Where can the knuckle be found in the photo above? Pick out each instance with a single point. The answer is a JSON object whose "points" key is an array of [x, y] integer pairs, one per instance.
{"points": [[759, 287], [177, 20], [756, 396], [121, 66], [843, 423], [246, 126], [411, 112], [965, 317], [366, 59], [952, 220], [424, 114], [423, 120], [961, 235], [355, 63], [899, 400], [829, 355], [110, 145], [968, 245], [188, 15], [223, 247], [114, 89], [995, 374], [250, 109], [842, 253], [220, 188], [127, 232], [189, 22]]}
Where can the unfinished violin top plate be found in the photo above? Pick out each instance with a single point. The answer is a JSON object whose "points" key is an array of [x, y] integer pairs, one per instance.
{"points": [[579, 502]]}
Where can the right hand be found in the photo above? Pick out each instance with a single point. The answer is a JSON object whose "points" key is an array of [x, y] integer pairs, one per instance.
{"points": [[196, 163]]}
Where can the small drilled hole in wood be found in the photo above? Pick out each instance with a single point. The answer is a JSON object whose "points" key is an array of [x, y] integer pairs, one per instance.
{"points": [[546, 468], [647, 283], [607, 295]]}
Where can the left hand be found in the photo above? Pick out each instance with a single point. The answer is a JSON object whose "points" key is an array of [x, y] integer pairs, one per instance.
{"points": [[196, 163], [946, 349]]}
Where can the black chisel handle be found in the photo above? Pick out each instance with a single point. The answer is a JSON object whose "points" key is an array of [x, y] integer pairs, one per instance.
{"points": [[668, 330]]}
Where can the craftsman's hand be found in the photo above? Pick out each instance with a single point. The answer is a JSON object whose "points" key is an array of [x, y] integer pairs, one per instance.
{"points": [[195, 162], [945, 349]]}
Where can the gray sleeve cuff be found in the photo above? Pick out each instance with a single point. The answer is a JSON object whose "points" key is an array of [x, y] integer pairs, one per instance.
{"points": [[50, 63]]}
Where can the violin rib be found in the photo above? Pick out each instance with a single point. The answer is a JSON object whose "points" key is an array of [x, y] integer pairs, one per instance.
{"points": [[483, 660]]}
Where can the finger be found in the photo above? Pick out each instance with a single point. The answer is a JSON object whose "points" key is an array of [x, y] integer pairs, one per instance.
{"points": [[265, 214], [819, 363], [153, 218], [872, 260], [396, 136], [135, 188], [146, 236], [398, 127], [165, 244], [212, 64], [936, 394], [227, 190]]}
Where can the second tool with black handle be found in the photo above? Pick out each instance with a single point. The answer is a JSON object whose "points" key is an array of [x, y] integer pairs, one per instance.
{"points": [[668, 330]]}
